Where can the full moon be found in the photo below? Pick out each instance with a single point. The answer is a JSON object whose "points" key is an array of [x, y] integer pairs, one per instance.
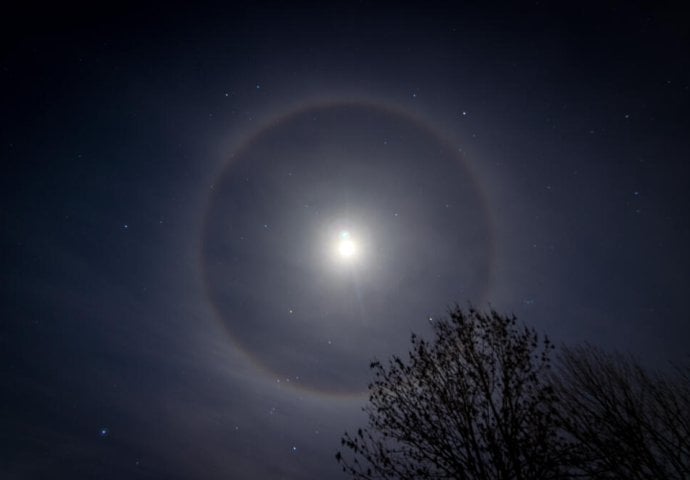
{"points": [[346, 246]]}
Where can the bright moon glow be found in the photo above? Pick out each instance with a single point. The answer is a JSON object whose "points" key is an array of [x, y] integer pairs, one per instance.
{"points": [[346, 246]]}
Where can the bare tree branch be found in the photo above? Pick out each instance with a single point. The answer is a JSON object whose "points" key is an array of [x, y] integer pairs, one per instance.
{"points": [[476, 403]]}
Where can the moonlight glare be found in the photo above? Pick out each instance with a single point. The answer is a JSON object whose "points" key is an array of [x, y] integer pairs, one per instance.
{"points": [[346, 246]]}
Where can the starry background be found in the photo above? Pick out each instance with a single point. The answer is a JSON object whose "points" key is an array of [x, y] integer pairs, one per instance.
{"points": [[172, 176]]}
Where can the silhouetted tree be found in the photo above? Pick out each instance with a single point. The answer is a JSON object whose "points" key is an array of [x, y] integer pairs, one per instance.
{"points": [[475, 403], [627, 423]]}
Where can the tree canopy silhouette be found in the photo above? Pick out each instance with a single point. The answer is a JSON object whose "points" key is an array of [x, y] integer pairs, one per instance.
{"points": [[481, 401], [626, 422], [475, 403]]}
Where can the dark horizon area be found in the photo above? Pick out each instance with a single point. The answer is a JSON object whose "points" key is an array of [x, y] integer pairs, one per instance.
{"points": [[215, 216]]}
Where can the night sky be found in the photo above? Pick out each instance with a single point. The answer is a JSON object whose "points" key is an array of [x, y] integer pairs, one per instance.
{"points": [[214, 217]]}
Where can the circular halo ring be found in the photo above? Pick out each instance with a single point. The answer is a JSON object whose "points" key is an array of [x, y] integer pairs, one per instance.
{"points": [[276, 122]]}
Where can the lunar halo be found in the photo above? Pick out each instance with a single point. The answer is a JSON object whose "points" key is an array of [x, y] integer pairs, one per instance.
{"points": [[271, 213]]}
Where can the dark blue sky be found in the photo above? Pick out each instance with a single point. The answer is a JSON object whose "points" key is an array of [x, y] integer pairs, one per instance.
{"points": [[174, 179]]}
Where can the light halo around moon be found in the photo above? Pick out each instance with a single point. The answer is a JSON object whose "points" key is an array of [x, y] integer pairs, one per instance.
{"points": [[294, 317]]}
